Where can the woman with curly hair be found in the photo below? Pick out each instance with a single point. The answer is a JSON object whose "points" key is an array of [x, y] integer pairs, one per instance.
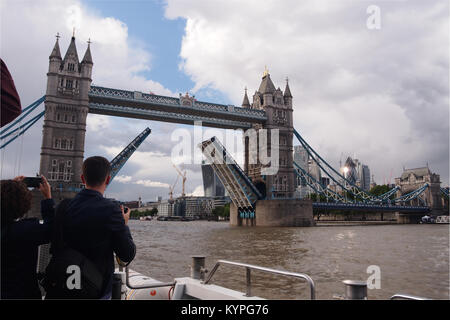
{"points": [[20, 238]]}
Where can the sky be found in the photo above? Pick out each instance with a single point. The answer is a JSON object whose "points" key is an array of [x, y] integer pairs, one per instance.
{"points": [[369, 84]]}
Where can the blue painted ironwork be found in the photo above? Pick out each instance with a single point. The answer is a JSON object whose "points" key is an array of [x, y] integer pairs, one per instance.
{"points": [[371, 207], [348, 186], [24, 113], [368, 200], [415, 194], [445, 192], [317, 186], [385, 196], [118, 162], [162, 108], [21, 126]]}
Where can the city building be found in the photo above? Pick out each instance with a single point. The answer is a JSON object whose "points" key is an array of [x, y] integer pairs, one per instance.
{"points": [[221, 201], [132, 204], [165, 208], [191, 206], [314, 170], [357, 173], [302, 159], [365, 177], [212, 186]]}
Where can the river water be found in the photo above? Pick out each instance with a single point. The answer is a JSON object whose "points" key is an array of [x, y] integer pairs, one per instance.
{"points": [[413, 259]]}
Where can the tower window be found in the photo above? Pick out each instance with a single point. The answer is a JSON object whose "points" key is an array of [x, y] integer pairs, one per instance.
{"points": [[57, 144], [73, 118], [65, 118], [58, 117], [71, 66], [69, 163], [67, 175], [63, 144], [54, 162], [69, 84]]}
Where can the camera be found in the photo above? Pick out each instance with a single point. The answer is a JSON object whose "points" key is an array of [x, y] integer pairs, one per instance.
{"points": [[32, 182], [120, 203]]}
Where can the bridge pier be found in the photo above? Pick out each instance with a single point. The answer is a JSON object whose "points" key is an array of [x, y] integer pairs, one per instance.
{"points": [[408, 218], [277, 213]]}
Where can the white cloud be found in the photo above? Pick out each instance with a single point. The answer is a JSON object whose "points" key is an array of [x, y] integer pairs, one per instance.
{"points": [[198, 191], [379, 94], [122, 179], [152, 184]]}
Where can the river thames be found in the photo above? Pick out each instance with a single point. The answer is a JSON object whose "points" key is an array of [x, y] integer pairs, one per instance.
{"points": [[413, 259]]}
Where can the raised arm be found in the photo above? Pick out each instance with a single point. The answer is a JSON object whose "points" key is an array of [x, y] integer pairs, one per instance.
{"points": [[123, 244]]}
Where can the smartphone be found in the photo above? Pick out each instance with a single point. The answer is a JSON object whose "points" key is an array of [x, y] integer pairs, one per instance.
{"points": [[32, 182]]}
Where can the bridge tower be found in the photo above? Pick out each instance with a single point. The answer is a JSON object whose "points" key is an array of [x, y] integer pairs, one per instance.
{"points": [[279, 111], [66, 108], [412, 179]]}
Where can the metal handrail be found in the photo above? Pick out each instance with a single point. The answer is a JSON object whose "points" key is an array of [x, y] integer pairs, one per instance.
{"points": [[249, 267], [407, 297], [146, 286]]}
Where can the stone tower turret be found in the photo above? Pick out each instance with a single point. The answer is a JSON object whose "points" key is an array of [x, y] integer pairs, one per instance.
{"points": [[279, 111], [66, 108]]}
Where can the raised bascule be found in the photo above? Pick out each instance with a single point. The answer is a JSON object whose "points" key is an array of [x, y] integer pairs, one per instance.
{"points": [[258, 198]]}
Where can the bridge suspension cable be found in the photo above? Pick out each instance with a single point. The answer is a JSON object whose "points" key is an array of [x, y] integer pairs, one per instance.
{"points": [[24, 113], [415, 194], [317, 186], [347, 185], [445, 192], [320, 189], [27, 126], [17, 128]]}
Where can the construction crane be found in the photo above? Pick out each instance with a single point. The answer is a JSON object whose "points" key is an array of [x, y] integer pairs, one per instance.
{"points": [[390, 177], [171, 188], [183, 176]]}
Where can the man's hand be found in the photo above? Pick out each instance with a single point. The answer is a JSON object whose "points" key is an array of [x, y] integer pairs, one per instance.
{"points": [[19, 178], [45, 188], [126, 213]]}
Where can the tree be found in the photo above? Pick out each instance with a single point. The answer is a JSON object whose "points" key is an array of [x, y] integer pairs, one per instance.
{"points": [[154, 212], [135, 214], [222, 211], [381, 189]]}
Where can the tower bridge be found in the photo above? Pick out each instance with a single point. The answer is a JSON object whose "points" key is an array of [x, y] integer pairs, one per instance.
{"points": [[257, 198]]}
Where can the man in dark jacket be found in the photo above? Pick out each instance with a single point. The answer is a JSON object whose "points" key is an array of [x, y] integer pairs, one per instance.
{"points": [[96, 226]]}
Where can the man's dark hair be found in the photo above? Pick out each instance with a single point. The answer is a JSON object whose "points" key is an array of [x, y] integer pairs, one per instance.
{"points": [[16, 200], [95, 170]]}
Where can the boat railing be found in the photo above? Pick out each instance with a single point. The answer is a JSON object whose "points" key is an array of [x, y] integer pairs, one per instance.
{"points": [[407, 297], [249, 267], [146, 286]]}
